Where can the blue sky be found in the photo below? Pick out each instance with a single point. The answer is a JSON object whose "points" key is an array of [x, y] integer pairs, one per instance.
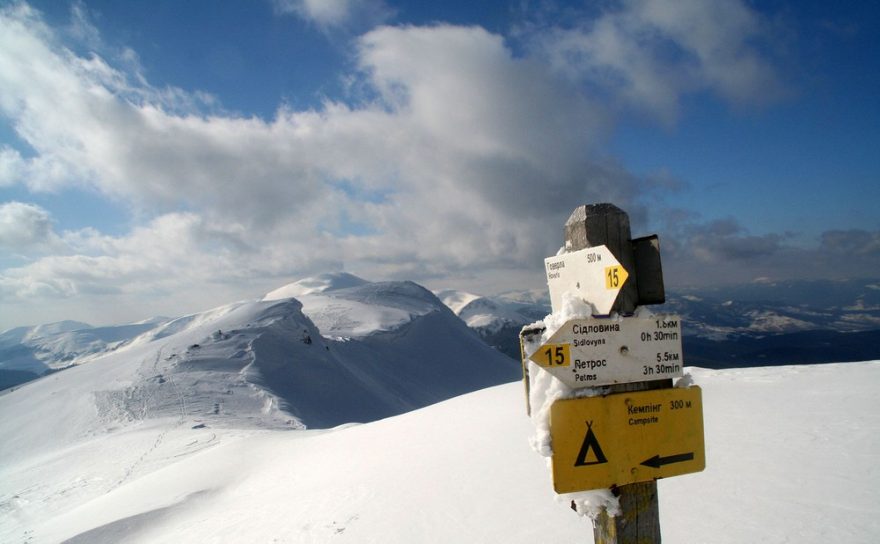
{"points": [[165, 157]]}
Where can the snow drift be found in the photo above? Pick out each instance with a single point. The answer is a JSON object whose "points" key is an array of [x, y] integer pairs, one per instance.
{"points": [[790, 458]]}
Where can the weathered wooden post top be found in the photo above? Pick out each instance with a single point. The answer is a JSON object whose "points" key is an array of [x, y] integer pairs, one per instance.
{"points": [[635, 427]]}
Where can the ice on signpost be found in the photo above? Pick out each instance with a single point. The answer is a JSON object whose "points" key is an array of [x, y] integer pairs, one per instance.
{"points": [[544, 389]]}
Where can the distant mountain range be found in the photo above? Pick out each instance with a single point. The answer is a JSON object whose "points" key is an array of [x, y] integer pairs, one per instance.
{"points": [[29, 352], [792, 322], [757, 324], [767, 323]]}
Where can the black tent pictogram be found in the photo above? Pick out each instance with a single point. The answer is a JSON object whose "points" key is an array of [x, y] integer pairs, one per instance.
{"points": [[590, 443]]}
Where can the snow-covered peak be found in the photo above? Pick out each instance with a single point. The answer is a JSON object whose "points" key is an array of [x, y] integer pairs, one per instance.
{"points": [[49, 329], [203, 321], [456, 300], [497, 319], [489, 315], [321, 283], [344, 306], [154, 320], [539, 297]]}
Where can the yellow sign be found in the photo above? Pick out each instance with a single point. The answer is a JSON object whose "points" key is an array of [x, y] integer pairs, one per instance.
{"points": [[615, 276], [553, 355], [600, 442]]}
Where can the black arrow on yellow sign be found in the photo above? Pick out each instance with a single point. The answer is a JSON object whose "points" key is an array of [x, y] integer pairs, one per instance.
{"points": [[657, 461]]}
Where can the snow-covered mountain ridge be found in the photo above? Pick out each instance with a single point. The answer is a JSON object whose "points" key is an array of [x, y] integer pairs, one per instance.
{"points": [[757, 324], [488, 315], [172, 390], [497, 320], [373, 350], [29, 352], [344, 306]]}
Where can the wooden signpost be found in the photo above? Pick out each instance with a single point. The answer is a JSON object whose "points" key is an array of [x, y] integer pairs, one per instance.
{"points": [[643, 429]]}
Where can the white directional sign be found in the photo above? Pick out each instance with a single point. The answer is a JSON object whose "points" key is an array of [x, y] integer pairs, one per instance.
{"points": [[593, 274], [592, 352]]}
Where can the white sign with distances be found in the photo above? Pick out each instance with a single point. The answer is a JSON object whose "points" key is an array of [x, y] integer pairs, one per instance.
{"points": [[592, 352], [593, 274]]}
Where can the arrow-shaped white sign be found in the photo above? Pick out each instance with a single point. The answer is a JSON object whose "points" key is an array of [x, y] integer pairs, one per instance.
{"points": [[592, 352], [593, 274]]}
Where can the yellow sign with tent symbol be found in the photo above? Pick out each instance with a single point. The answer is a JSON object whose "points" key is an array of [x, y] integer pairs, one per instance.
{"points": [[623, 438]]}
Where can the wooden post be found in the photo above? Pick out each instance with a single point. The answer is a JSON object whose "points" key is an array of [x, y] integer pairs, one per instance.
{"points": [[606, 224]]}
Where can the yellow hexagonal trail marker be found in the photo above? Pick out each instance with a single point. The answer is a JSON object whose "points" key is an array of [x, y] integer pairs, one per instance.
{"points": [[553, 356], [619, 439], [615, 276]]}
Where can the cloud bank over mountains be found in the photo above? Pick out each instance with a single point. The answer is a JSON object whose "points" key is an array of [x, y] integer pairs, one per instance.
{"points": [[457, 163]]}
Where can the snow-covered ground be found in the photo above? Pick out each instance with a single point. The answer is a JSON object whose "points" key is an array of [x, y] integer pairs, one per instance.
{"points": [[791, 457], [234, 425]]}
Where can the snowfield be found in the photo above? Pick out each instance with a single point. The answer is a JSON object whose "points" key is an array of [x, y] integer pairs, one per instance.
{"points": [[369, 412], [791, 457]]}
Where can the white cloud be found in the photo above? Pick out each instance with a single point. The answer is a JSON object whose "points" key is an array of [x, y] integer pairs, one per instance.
{"points": [[26, 228], [331, 14], [326, 12], [173, 250], [475, 134], [11, 166], [649, 53], [467, 161], [81, 26]]}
